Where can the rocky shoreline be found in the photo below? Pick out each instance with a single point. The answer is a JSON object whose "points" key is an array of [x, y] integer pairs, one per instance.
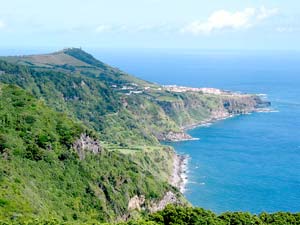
{"points": [[179, 176], [206, 122], [183, 136], [180, 162], [178, 136], [212, 120]]}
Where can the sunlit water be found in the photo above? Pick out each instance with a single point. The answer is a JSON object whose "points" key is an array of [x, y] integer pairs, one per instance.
{"points": [[249, 162]]}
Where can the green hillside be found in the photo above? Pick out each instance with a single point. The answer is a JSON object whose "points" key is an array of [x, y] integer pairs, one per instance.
{"points": [[80, 140], [123, 109], [198, 216], [42, 174]]}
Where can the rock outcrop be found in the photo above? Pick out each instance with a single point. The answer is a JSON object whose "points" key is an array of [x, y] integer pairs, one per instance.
{"points": [[139, 202], [179, 177], [241, 104], [86, 144], [169, 198], [136, 203], [176, 136], [195, 109]]}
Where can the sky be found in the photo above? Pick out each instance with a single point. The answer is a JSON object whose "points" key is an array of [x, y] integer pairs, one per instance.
{"points": [[190, 24]]}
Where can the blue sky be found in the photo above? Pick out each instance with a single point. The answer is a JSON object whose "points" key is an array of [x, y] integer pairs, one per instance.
{"points": [[215, 24]]}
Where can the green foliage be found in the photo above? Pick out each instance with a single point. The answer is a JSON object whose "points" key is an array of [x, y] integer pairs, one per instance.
{"points": [[98, 188], [74, 82], [41, 175], [30, 129], [189, 108], [85, 57], [178, 215], [90, 100], [42, 179]]}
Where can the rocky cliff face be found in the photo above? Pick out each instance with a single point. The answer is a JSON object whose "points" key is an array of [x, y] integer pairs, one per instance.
{"points": [[244, 104], [175, 136], [138, 202], [193, 108], [169, 198], [176, 179], [86, 144]]}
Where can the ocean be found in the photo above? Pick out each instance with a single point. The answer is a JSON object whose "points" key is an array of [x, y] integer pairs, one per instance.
{"points": [[245, 163]]}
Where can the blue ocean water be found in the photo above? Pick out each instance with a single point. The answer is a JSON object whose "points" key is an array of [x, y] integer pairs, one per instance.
{"points": [[249, 162]]}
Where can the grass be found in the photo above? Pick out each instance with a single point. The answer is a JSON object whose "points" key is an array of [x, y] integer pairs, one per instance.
{"points": [[46, 105]]}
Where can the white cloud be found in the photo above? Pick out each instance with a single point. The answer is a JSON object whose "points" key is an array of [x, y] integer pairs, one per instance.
{"points": [[223, 19], [266, 13], [2, 24]]}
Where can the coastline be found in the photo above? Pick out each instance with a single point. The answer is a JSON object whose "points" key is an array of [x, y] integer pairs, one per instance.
{"points": [[224, 116], [179, 176], [206, 122]]}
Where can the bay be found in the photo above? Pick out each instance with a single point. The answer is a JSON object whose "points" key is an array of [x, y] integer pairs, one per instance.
{"points": [[245, 163]]}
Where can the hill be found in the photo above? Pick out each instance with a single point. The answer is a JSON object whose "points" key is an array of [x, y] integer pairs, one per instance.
{"points": [[54, 167], [119, 106], [80, 140]]}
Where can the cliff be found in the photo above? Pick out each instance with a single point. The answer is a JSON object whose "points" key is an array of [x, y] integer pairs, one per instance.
{"points": [[85, 144], [80, 140], [125, 110]]}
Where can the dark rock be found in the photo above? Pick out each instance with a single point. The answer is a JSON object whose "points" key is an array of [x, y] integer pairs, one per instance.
{"points": [[86, 144]]}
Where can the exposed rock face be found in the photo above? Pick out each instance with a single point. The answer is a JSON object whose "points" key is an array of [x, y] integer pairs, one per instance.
{"points": [[86, 144], [261, 103], [136, 203], [240, 105], [175, 136], [219, 114], [169, 198], [179, 178], [192, 110]]}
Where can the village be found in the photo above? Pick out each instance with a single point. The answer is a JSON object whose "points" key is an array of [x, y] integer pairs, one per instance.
{"points": [[133, 88]]}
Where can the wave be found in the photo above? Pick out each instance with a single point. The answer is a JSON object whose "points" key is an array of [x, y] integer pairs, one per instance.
{"points": [[194, 139], [197, 183], [205, 125], [269, 111], [263, 96]]}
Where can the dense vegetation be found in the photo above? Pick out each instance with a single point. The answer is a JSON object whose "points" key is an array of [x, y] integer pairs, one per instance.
{"points": [[48, 102], [172, 215], [87, 99], [41, 175], [99, 95], [177, 215], [30, 129], [85, 57]]}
